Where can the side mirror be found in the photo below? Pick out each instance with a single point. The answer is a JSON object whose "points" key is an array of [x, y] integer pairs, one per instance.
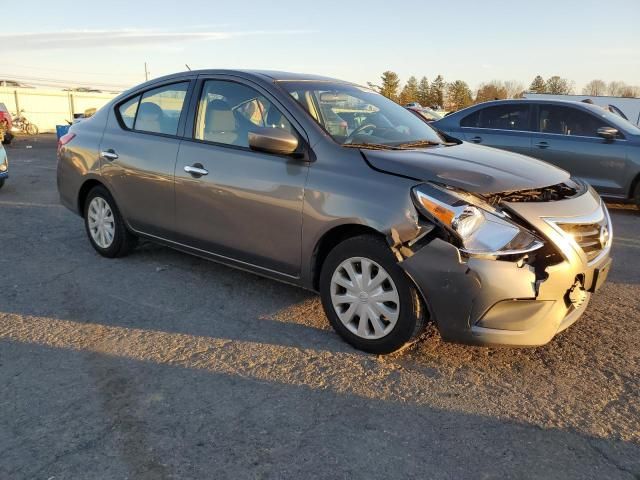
{"points": [[608, 133], [273, 140]]}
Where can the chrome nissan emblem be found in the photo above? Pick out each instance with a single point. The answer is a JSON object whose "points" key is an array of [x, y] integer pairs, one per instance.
{"points": [[604, 236]]}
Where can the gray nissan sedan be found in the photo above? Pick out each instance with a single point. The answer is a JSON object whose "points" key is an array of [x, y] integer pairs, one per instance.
{"points": [[332, 187]]}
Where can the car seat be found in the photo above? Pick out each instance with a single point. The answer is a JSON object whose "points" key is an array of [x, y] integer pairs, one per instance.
{"points": [[220, 124]]}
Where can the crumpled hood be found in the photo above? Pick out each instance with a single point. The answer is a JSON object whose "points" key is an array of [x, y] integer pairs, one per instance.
{"points": [[470, 167]]}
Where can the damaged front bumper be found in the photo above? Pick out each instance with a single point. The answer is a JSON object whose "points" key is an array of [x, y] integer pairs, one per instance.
{"points": [[492, 301]]}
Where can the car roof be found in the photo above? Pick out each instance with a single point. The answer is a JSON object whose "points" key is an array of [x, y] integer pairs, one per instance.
{"points": [[273, 75], [477, 106]]}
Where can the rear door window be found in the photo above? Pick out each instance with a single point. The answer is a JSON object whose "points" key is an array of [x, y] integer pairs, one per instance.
{"points": [[159, 110], [500, 117], [155, 111]]}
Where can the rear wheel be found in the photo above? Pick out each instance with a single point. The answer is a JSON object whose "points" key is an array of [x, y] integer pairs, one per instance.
{"points": [[105, 226], [368, 298], [636, 196], [1, 182], [31, 129]]}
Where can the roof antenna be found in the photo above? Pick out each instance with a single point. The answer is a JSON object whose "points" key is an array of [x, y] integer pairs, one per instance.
{"points": [[188, 67]]}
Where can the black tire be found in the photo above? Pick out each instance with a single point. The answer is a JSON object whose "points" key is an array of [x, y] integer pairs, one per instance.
{"points": [[2, 182], [123, 240], [411, 318], [636, 196], [7, 138]]}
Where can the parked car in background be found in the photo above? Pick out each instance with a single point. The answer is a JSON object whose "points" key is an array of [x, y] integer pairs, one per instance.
{"points": [[586, 140], [424, 113], [413, 105], [4, 166], [6, 124], [391, 223], [13, 83]]}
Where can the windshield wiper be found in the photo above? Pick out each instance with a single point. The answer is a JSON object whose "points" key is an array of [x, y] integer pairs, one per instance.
{"points": [[419, 143], [372, 146]]}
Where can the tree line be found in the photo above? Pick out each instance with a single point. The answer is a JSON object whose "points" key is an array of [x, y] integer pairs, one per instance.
{"points": [[455, 95]]}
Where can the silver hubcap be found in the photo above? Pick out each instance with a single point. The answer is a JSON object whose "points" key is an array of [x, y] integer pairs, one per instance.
{"points": [[365, 298], [102, 226]]}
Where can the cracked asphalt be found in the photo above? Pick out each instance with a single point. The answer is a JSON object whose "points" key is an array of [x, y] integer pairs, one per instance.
{"points": [[165, 366]]}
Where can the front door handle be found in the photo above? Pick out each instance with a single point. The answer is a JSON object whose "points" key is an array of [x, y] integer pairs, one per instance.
{"points": [[476, 139], [196, 170], [542, 145], [109, 155]]}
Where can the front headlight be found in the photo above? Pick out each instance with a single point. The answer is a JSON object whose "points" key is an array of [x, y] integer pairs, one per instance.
{"points": [[480, 228]]}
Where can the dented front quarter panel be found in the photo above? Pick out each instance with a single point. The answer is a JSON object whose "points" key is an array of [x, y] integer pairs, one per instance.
{"points": [[342, 190]]}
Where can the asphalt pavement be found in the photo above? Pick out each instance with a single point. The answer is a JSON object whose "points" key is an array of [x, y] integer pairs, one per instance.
{"points": [[166, 366]]}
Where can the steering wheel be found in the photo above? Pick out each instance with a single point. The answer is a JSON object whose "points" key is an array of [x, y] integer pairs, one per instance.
{"points": [[361, 128]]}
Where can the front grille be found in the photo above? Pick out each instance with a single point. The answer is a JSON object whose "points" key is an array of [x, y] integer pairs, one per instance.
{"points": [[591, 237]]}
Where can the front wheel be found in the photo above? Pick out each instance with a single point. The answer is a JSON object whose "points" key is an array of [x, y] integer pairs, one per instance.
{"points": [[105, 226], [636, 196], [31, 129], [368, 298]]}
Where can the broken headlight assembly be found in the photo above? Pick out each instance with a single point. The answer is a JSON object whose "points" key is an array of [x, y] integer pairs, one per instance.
{"points": [[478, 227]]}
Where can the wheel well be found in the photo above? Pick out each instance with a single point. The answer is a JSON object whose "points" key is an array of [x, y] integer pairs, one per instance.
{"points": [[84, 191], [332, 238]]}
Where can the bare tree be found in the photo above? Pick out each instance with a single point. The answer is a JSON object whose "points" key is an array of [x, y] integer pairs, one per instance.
{"points": [[630, 92], [595, 88], [513, 88], [615, 88]]}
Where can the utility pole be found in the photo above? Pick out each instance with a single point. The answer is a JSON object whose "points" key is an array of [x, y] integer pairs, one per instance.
{"points": [[146, 72]]}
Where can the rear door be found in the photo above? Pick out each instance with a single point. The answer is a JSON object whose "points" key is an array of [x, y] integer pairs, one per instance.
{"points": [[138, 155], [567, 137], [506, 126]]}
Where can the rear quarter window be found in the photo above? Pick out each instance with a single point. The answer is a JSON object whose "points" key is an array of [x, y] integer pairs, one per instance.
{"points": [[127, 111]]}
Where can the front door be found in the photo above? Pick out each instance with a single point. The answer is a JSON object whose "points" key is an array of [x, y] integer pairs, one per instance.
{"points": [[505, 126], [567, 137], [240, 204]]}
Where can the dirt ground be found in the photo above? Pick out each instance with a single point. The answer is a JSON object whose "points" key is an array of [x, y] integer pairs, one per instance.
{"points": [[165, 366]]}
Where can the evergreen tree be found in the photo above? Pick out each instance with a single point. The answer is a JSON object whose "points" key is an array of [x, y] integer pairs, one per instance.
{"points": [[538, 85], [436, 92], [459, 95], [423, 92], [410, 91], [390, 85]]}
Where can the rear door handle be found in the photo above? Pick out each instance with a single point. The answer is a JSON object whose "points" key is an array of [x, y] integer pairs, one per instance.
{"points": [[542, 145], [109, 154], [476, 139], [196, 170]]}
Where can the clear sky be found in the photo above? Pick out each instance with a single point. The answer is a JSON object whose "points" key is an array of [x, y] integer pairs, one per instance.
{"points": [[107, 42]]}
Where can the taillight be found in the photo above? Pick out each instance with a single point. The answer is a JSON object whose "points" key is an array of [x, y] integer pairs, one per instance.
{"points": [[66, 138]]}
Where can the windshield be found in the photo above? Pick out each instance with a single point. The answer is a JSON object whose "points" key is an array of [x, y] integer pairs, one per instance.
{"points": [[357, 116]]}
